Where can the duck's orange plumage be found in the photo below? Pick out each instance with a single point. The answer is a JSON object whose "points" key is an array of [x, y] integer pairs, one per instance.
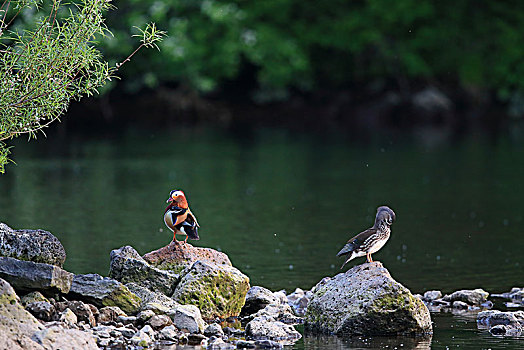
{"points": [[179, 218]]}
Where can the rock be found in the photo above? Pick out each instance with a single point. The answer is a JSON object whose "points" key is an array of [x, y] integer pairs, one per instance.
{"points": [[82, 311], [126, 332], [217, 343], [471, 297], [516, 294], [260, 328], [245, 344], [366, 300], [268, 344], [298, 300], [32, 297], [65, 339], [159, 321], [68, 317], [157, 302], [492, 318], [104, 291], [28, 275], [42, 310], [141, 338], [144, 316], [127, 266], [126, 320], [457, 304], [219, 291], [257, 298], [169, 333], [277, 312], [31, 245], [195, 339], [110, 314], [432, 100], [214, 329], [432, 295], [178, 255], [187, 318], [498, 330]]}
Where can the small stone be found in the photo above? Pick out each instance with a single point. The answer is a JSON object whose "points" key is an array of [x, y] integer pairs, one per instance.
{"points": [[127, 319], [144, 316], [126, 332], [67, 316], [188, 318], [432, 295], [245, 344], [82, 311], [169, 333], [498, 330], [110, 314], [471, 297], [457, 304], [159, 321], [217, 343], [148, 330], [42, 310], [32, 297], [268, 344], [213, 329], [195, 339]]}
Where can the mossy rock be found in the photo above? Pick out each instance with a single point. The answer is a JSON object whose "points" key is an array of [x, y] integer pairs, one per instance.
{"points": [[366, 300], [219, 291]]}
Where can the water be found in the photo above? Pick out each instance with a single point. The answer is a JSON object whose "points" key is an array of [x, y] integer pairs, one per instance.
{"points": [[282, 204]]}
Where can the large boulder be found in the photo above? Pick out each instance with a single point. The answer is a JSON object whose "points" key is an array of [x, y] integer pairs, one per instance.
{"points": [[31, 245], [366, 300], [21, 330], [104, 291], [127, 266], [28, 276], [177, 256], [219, 291]]}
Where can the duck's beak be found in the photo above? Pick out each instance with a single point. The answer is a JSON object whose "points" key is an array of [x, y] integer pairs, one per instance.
{"points": [[169, 200]]}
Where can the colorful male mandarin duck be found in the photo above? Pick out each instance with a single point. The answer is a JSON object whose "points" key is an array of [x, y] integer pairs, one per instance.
{"points": [[179, 218], [372, 239]]}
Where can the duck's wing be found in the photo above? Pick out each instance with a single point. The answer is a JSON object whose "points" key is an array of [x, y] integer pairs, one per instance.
{"points": [[190, 214], [355, 242], [190, 227]]}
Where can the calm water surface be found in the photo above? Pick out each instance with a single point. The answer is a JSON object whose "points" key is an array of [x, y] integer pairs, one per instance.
{"points": [[282, 204]]}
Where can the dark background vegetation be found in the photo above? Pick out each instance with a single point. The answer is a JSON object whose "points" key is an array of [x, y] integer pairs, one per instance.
{"points": [[353, 64]]}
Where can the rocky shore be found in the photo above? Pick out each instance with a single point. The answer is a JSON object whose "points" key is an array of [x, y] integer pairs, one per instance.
{"points": [[184, 295]]}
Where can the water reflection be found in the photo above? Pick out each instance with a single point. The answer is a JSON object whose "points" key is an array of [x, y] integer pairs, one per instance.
{"points": [[330, 342]]}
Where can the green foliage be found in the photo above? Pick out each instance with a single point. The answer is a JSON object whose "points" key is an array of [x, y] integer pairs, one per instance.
{"points": [[44, 69], [309, 44]]}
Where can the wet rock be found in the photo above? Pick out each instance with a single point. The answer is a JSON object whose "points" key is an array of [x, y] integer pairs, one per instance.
{"points": [[110, 314], [169, 333], [104, 291], [214, 329], [32, 297], [492, 318], [65, 339], [471, 297], [257, 298], [219, 291], [245, 344], [498, 330], [68, 317], [82, 311], [42, 310], [159, 321], [261, 328], [195, 339], [178, 255], [31, 245], [187, 318], [515, 294], [127, 266], [457, 304], [432, 295], [268, 344], [366, 300], [299, 300], [28, 275]]}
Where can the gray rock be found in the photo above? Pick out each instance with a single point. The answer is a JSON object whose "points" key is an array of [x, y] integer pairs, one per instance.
{"points": [[82, 311], [213, 329], [491, 318], [65, 339], [187, 318], [142, 339], [366, 300], [159, 321], [195, 339], [169, 333], [31, 245], [217, 343], [157, 302], [144, 316], [432, 295], [42, 310], [298, 300], [127, 266], [104, 291], [28, 275], [245, 344], [498, 330], [126, 320], [268, 344], [68, 317], [110, 314], [126, 332], [32, 297], [457, 304], [260, 328], [218, 290], [471, 297], [258, 298]]}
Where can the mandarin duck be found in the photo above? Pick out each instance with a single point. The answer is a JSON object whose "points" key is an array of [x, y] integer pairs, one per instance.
{"points": [[370, 240], [179, 218]]}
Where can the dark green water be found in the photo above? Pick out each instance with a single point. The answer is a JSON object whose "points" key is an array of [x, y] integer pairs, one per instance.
{"points": [[282, 204]]}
